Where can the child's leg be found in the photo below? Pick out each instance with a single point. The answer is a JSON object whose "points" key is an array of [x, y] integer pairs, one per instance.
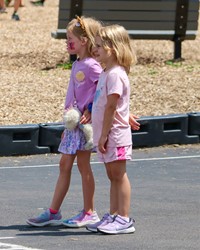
{"points": [[120, 194], [17, 5], [88, 186], [63, 182], [120, 189], [113, 192], [87, 215], [53, 215], [2, 4]]}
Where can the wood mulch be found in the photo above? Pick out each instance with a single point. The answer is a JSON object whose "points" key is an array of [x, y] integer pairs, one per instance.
{"points": [[33, 88]]}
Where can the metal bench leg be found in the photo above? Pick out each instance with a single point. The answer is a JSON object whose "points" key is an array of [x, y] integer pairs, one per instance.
{"points": [[177, 50]]}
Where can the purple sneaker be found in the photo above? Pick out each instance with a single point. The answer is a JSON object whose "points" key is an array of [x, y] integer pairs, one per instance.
{"points": [[46, 218], [107, 218], [118, 226], [82, 219]]}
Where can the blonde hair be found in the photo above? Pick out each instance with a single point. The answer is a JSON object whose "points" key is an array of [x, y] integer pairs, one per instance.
{"points": [[116, 37], [85, 27]]}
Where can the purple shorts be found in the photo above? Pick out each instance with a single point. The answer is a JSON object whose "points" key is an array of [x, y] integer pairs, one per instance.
{"points": [[115, 154]]}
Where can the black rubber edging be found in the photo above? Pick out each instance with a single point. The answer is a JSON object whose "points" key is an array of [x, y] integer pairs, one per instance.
{"points": [[30, 139]]}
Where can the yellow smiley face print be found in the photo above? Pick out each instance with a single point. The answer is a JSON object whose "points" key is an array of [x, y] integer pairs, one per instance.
{"points": [[80, 76]]}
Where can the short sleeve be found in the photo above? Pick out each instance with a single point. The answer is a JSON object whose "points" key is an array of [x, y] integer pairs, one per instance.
{"points": [[94, 72], [114, 84]]}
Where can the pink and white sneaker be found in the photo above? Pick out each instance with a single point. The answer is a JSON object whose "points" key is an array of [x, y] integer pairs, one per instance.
{"points": [[82, 219]]}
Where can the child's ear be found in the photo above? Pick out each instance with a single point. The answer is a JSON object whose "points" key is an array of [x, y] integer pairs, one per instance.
{"points": [[84, 40]]}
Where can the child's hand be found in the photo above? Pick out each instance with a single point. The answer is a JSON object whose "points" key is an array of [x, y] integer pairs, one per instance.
{"points": [[86, 117], [102, 144], [132, 121]]}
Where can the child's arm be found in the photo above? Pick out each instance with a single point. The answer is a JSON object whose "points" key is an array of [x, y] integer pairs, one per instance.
{"points": [[109, 115]]}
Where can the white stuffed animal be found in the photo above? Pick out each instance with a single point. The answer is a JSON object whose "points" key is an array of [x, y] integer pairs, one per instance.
{"points": [[71, 120]]}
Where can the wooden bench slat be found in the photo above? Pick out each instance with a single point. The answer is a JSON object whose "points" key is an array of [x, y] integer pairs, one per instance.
{"points": [[121, 5], [131, 15], [63, 4], [128, 15], [145, 25], [126, 5]]}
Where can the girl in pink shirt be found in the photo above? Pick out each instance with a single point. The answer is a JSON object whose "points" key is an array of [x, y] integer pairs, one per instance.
{"points": [[110, 121], [82, 86]]}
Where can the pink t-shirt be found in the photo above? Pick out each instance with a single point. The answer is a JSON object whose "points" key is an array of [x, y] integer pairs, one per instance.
{"points": [[113, 81], [82, 85]]}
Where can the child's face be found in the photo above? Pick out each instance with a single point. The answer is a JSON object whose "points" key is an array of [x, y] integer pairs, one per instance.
{"points": [[73, 44], [101, 55]]}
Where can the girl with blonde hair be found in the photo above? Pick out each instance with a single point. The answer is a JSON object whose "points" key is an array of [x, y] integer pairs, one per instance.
{"points": [[85, 72], [110, 121]]}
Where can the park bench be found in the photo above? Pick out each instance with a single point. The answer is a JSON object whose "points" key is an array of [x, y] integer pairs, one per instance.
{"points": [[174, 20]]}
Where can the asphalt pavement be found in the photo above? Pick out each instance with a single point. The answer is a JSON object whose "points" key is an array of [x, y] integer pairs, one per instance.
{"points": [[165, 202]]}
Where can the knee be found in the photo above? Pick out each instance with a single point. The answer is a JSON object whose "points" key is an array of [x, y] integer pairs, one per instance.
{"points": [[113, 175], [117, 177], [84, 169], [64, 168]]}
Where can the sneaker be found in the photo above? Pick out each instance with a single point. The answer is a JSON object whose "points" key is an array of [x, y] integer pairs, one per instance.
{"points": [[82, 219], [15, 17], [107, 218], [3, 10], [118, 226], [45, 218]]}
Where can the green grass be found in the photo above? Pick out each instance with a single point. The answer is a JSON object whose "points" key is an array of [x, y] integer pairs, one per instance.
{"points": [[173, 63], [152, 72], [66, 65]]}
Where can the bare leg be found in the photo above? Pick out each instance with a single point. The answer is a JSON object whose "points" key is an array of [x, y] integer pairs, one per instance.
{"points": [[120, 191], [16, 5], [88, 185], [113, 192], [2, 4], [63, 182]]}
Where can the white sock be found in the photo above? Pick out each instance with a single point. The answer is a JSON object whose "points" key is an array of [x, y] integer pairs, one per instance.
{"points": [[125, 218]]}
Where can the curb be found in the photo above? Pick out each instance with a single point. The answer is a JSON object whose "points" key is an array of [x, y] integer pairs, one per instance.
{"points": [[30, 139]]}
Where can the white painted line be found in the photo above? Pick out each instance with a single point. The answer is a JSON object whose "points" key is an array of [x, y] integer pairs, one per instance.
{"points": [[94, 163], [33, 166], [5, 238], [168, 158], [4, 246]]}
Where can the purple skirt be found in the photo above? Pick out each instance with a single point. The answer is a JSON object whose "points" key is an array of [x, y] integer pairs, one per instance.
{"points": [[72, 141]]}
